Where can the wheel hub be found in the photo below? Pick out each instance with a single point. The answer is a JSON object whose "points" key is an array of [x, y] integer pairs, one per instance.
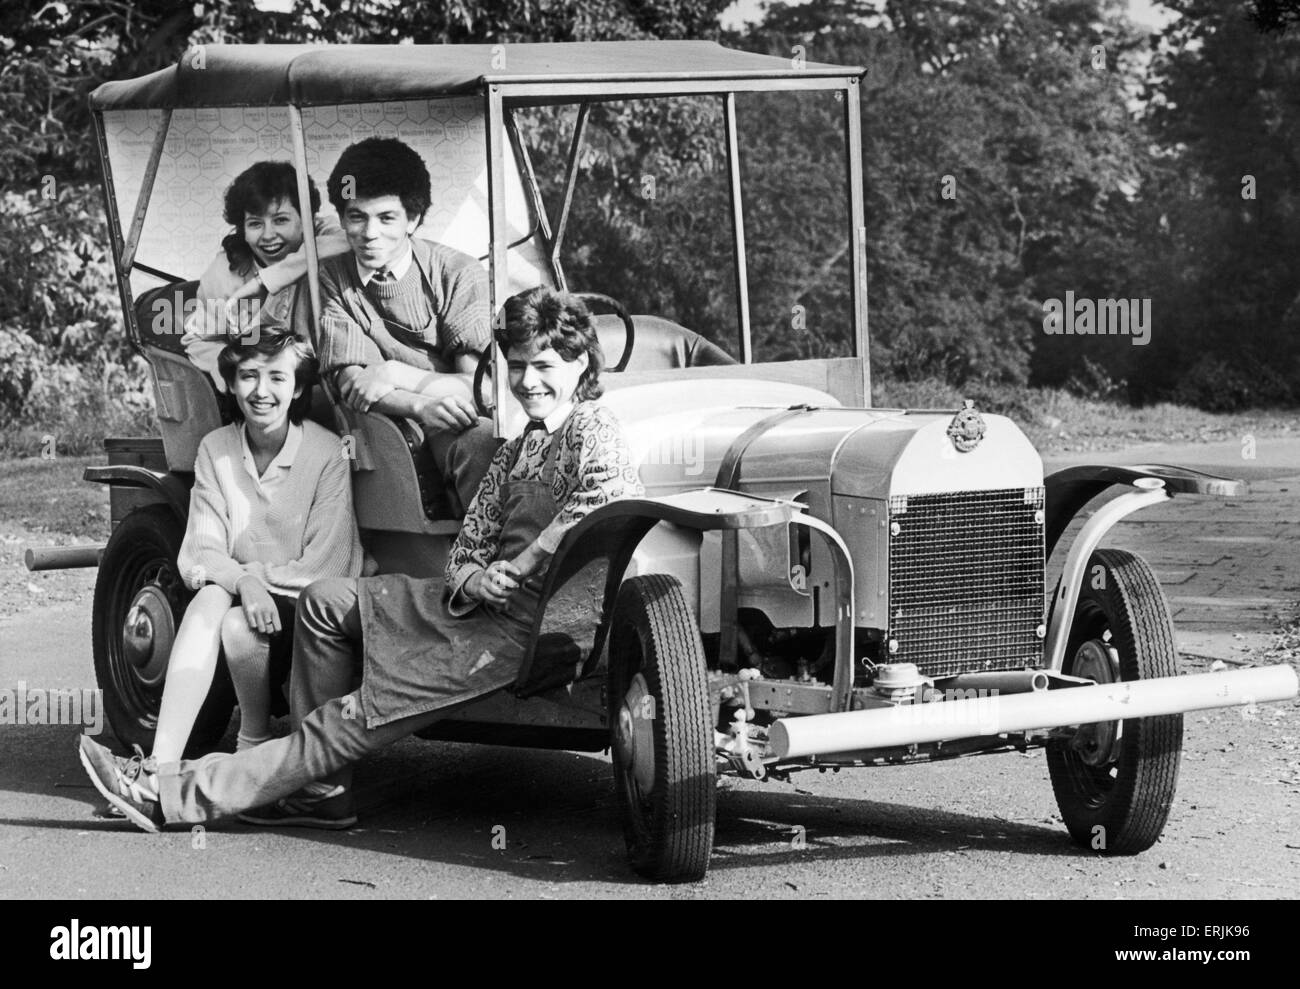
{"points": [[148, 633], [1097, 745], [634, 737]]}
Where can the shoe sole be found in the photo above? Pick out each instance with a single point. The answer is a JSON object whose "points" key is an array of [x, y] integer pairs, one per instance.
{"points": [[341, 824], [129, 812]]}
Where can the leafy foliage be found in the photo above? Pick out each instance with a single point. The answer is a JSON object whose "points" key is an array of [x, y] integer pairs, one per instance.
{"points": [[1013, 150]]}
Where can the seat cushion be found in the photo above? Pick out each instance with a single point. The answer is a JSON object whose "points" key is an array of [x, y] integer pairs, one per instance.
{"points": [[160, 314], [659, 345]]}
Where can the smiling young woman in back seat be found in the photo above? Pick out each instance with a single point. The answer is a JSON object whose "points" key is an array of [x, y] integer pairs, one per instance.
{"points": [[261, 264]]}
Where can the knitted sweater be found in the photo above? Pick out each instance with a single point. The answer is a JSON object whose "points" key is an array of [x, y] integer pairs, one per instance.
{"points": [[593, 467], [350, 334], [401, 300], [300, 531]]}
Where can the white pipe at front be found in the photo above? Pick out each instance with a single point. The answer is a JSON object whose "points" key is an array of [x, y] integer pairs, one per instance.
{"points": [[995, 714]]}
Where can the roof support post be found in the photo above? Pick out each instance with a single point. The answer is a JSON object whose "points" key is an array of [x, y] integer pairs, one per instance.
{"points": [[738, 230], [497, 237], [115, 230], [570, 180], [535, 197], [857, 230], [308, 228], [142, 201]]}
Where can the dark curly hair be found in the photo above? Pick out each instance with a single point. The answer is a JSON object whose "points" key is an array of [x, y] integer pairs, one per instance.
{"points": [[552, 320], [255, 190], [381, 166], [269, 343]]}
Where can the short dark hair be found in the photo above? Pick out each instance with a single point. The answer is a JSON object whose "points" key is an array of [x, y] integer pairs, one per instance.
{"points": [[382, 166], [269, 344], [552, 320], [255, 190]]}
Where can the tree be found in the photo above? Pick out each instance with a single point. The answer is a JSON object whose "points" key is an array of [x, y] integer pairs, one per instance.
{"points": [[1226, 113]]}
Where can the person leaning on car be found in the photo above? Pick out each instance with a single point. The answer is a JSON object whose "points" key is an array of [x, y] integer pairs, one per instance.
{"points": [[405, 320]]}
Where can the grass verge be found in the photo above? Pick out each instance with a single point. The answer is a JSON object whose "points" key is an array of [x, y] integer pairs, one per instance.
{"points": [[1057, 421]]}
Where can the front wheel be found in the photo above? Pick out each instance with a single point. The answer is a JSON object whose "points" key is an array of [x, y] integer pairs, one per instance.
{"points": [[659, 713], [139, 601], [1115, 781]]}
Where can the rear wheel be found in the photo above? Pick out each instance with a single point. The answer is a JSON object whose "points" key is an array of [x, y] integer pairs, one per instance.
{"points": [[1115, 781], [139, 601], [659, 714]]}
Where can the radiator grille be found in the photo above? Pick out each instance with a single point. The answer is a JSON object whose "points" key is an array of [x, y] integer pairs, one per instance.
{"points": [[966, 580]]}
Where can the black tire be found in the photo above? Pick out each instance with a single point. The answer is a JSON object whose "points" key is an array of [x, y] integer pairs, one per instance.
{"points": [[668, 817], [1115, 793], [140, 559]]}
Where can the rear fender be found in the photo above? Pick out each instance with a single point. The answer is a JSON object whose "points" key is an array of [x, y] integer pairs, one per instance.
{"points": [[577, 592], [167, 488]]}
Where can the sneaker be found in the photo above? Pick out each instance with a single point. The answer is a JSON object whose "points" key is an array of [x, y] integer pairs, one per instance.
{"points": [[335, 812], [117, 778]]}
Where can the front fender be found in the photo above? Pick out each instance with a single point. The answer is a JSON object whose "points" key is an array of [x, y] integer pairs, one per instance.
{"points": [[572, 620], [1068, 490]]}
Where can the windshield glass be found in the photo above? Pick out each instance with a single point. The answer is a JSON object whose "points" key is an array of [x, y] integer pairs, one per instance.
{"points": [[651, 219]]}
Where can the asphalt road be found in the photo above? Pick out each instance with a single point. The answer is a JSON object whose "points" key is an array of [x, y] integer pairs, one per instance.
{"points": [[446, 820]]}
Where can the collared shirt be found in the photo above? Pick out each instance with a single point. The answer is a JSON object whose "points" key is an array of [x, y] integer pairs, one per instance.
{"points": [[397, 269], [556, 419], [278, 469]]}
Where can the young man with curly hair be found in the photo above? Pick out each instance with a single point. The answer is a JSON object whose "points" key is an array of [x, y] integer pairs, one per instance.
{"points": [[405, 320]]}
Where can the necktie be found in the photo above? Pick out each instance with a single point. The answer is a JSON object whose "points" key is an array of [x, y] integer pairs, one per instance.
{"points": [[383, 276]]}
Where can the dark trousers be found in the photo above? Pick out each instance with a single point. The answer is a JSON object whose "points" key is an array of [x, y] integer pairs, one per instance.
{"points": [[463, 458], [329, 729]]}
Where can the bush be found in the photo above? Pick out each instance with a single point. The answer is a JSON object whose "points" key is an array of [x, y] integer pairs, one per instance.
{"points": [[58, 300], [1217, 384], [70, 409]]}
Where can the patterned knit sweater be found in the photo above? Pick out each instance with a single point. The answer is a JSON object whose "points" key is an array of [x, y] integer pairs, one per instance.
{"points": [[290, 527], [593, 467]]}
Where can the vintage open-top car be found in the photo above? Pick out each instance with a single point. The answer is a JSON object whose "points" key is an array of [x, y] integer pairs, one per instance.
{"points": [[808, 582]]}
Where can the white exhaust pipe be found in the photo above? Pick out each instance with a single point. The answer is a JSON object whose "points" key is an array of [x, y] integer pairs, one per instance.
{"points": [[995, 714]]}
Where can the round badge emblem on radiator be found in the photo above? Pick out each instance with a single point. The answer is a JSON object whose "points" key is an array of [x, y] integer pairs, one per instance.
{"points": [[967, 428]]}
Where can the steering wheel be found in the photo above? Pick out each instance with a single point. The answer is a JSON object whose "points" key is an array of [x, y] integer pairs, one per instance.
{"points": [[607, 303], [612, 305]]}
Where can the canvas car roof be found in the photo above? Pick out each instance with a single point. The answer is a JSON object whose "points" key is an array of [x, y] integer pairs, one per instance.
{"points": [[306, 75]]}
